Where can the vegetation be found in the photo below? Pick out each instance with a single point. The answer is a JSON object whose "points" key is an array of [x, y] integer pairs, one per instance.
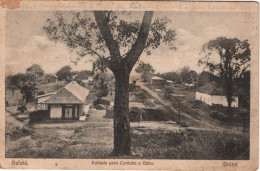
{"points": [[146, 71], [118, 44], [205, 77], [100, 79], [190, 145], [234, 58], [65, 73], [24, 83], [36, 71], [188, 76]]}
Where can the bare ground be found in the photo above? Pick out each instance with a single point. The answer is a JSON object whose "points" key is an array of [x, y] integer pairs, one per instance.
{"points": [[94, 139]]}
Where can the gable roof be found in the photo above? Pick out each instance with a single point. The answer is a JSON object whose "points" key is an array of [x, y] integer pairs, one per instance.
{"points": [[70, 94], [211, 88], [157, 78]]}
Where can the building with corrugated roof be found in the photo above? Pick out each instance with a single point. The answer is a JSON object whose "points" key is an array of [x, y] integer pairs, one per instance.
{"points": [[212, 94], [67, 103]]}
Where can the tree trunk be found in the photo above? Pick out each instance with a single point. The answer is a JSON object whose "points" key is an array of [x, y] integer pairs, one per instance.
{"points": [[229, 94], [122, 139]]}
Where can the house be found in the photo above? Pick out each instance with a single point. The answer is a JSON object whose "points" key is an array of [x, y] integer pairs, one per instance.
{"points": [[41, 99], [212, 94], [67, 103], [50, 78], [169, 82], [158, 81]]}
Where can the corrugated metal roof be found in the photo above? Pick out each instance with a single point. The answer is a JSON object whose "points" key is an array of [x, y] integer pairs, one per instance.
{"points": [[79, 91], [211, 88], [157, 78], [70, 94]]}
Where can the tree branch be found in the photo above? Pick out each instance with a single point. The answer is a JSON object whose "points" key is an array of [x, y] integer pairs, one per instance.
{"points": [[139, 44], [102, 22]]}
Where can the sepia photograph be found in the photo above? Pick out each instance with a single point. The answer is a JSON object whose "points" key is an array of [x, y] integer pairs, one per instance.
{"points": [[128, 84]]}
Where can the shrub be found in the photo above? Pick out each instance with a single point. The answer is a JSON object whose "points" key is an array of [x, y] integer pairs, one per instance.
{"points": [[22, 108], [41, 93], [37, 116]]}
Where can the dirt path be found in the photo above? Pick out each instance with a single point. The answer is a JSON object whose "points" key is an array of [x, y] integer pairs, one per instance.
{"points": [[208, 125]]}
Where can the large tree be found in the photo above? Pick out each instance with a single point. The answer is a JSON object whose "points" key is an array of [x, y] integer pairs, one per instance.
{"points": [[36, 71], [187, 75], [233, 57], [118, 43], [65, 73], [146, 71], [26, 85]]}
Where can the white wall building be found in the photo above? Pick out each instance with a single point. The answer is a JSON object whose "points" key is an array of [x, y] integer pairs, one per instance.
{"points": [[67, 103], [211, 94]]}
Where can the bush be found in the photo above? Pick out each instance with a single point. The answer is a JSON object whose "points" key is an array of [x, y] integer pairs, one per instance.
{"points": [[135, 114], [100, 107], [22, 108], [37, 116], [168, 90], [101, 101], [41, 93]]}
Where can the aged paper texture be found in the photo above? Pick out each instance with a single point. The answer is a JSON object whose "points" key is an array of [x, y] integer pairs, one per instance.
{"points": [[129, 85]]}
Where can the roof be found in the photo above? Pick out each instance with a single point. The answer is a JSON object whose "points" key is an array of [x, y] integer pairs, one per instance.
{"points": [[70, 94], [211, 88], [50, 75], [169, 81], [157, 78], [48, 94]]}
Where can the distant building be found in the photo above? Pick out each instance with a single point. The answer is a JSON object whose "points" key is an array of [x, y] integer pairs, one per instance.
{"points": [[211, 94], [50, 78], [169, 82], [158, 81], [67, 103]]}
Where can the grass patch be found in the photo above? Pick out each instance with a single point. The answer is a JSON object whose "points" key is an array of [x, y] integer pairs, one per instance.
{"points": [[191, 145]]}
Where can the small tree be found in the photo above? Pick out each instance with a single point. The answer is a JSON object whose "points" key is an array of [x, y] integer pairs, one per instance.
{"points": [[146, 71], [205, 77], [65, 73], [36, 71], [187, 75], [233, 61], [100, 79], [26, 85]]}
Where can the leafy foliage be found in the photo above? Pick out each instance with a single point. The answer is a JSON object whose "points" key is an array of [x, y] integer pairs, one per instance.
{"points": [[187, 75], [24, 83], [233, 62], [65, 73], [36, 71], [81, 34], [146, 71]]}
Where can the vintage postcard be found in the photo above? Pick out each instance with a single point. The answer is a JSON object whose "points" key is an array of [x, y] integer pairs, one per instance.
{"points": [[129, 85]]}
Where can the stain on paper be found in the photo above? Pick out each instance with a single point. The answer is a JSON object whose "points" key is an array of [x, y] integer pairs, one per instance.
{"points": [[10, 4]]}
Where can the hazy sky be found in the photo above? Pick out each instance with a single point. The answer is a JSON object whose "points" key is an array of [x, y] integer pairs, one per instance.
{"points": [[27, 43]]}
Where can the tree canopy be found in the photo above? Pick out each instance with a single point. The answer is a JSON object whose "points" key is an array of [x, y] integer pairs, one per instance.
{"points": [[65, 73], [35, 70], [187, 75], [233, 60], [146, 71], [26, 85], [118, 44], [110, 38]]}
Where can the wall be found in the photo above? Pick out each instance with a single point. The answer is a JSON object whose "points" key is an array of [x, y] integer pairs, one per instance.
{"points": [[215, 99], [80, 109], [56, 111], [43, 106], [41, 99]]}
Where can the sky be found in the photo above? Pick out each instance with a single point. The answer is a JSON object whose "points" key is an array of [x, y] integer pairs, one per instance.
{"points": [[27, 43]]}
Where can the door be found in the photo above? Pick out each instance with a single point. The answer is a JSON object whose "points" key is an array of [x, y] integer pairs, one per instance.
{"points": [[68, 112]]}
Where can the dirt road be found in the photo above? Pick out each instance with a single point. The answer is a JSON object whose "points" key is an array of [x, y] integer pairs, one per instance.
{"points": [[207, 125]]}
